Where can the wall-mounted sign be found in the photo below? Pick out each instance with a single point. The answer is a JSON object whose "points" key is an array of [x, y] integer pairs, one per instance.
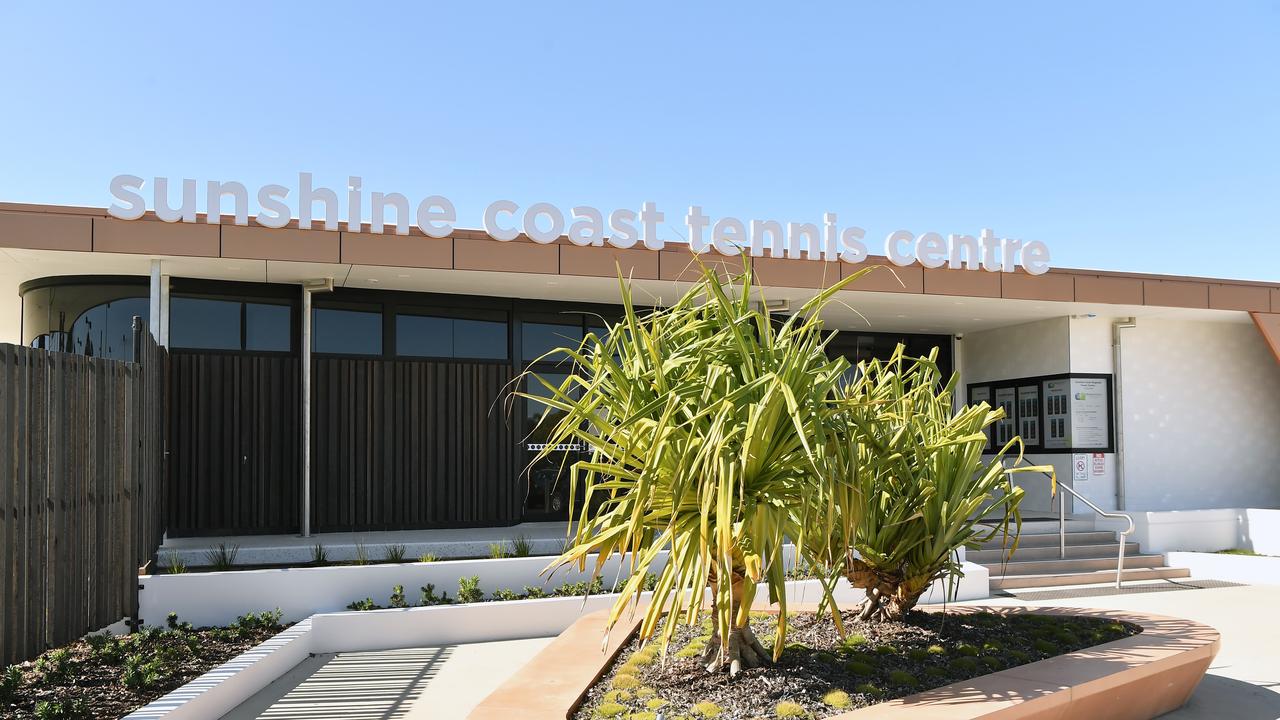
{"points": [[1079, 467], [583, 225], [1099, 464], [1068, 413]]}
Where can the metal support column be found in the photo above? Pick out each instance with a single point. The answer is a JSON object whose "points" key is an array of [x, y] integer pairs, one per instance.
{"points": [[309, 287]]}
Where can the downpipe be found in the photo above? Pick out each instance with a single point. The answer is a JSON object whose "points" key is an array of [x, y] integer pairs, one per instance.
{"points": [[1117, 362]]}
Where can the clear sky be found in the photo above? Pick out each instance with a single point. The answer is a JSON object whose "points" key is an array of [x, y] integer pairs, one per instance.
{"points": [[1140, 136]]}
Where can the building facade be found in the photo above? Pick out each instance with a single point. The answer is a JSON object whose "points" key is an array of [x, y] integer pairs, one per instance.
{"points": [[346, 380]]}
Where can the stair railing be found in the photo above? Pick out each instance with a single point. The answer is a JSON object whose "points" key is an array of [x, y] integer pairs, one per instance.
{"points": [[1062, 524]]}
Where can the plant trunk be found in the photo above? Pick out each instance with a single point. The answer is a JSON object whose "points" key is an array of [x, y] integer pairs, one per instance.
{"points": [[889, 597], [743, 649]]}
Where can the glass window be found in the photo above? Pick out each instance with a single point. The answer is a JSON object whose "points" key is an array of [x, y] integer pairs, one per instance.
{"points": [[268, 327], [537, 339], [92, 320], [204, 324], [424, 336], [432, 336], [346, 332], [486, 339]]}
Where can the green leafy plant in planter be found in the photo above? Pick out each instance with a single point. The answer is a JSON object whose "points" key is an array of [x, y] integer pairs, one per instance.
{"points": [[222, 558], [923, 487], [710, 434]]}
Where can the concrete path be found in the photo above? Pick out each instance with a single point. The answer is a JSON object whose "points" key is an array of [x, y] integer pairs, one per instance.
{"points": [[1244, 681], [439, 683]]}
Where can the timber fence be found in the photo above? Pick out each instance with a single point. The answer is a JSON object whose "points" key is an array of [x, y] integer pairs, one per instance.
{"points": [[81, 490]]}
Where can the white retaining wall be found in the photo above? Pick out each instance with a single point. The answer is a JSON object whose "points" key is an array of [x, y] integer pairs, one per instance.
{"points": [[1204, 530], [1232, 568], [217, 598]]}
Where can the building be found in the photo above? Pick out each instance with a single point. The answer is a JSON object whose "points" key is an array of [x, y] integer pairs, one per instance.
{"points": [[1146, 392]]}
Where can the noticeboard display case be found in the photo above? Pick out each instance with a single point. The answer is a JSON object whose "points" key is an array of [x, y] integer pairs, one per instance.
{"points": [[1067, 413]]}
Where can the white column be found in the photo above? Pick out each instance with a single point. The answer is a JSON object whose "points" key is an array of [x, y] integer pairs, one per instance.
{"points": [[159, 304], [308, 288]]}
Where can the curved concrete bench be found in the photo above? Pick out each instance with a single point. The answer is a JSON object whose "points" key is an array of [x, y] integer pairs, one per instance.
{"points": [[1134, 678]]}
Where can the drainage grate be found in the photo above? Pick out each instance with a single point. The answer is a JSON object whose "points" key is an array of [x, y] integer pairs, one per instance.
{"points": [[1085, 591]]}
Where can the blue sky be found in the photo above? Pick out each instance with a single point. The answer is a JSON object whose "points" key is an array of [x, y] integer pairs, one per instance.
{"points": [[1139, 136]]}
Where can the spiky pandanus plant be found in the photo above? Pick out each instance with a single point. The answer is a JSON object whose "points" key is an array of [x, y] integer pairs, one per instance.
{"points": [[708, 423], [923, 487]]}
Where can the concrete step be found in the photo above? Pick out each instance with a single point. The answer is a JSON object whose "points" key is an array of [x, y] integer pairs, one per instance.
{"points": [[1047, 527], [1100, 577], [1081, 565], [1093, 537], [1023, 553]]}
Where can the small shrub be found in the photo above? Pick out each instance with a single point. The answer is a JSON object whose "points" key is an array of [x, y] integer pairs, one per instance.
{"points": [[918, 654], [689, 652], [505, 594], [394, 553], [992, 646], [428, 557], [428, 596], [140, 674], [54, 665], [857, 667], [1045, 646], [868, 689], [642, 657], [886, 650], [362, 554], [174, 564], [521, 547], [966, 650], [936, 650], [855, 640], [616, 696], [706, 709], [594, 587], [10, 681], [497, 551], [319, 556], [610, 710], [993, 662], [935, 671], [657, 703], [788, 709], [903, 678], [222, 558], [171, 622], [964, 664], [397, 597], [623, 681], [469, 590], [532, 591], [837, 699], [643, 715], [61, 709], [644, 691], [360, 605], [1017, 657]]}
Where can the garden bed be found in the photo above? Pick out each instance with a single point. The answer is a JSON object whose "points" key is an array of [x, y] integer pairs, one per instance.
{"points": [[105, 676], [820, 675]]}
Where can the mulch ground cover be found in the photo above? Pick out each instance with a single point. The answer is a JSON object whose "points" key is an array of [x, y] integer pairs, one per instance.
{"points": [[820, 675], [105, 676]]}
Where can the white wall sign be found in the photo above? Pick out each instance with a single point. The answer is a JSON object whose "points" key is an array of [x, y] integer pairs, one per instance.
{"points": [[1089, 413], [584, 225]]}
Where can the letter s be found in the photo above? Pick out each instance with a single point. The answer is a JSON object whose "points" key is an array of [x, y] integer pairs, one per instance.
{"points": [[124, 188]]}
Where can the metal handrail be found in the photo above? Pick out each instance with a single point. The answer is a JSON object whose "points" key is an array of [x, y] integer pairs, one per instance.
{"points": [[1062, 524]]}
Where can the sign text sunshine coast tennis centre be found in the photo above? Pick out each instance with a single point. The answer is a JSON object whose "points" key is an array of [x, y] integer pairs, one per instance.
{"points": [[584, 225]]}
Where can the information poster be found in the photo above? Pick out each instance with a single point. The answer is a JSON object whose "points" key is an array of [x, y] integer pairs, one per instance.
{"points": [[1029, 414], [1057, 413], [978, 395], [1006, 398], [1088, 417]]}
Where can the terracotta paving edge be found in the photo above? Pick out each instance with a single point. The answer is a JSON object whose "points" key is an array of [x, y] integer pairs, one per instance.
{"points": [[1136, 678]]}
